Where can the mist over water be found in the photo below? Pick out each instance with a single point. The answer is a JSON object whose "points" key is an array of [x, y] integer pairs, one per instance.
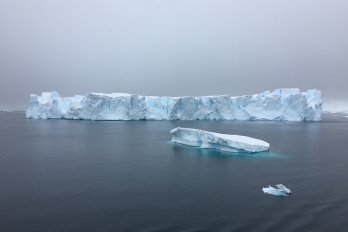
{"points": [[171, 47]]}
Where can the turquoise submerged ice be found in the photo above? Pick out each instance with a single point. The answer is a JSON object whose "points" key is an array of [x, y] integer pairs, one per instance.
{"points": [[224, 142], [281, 104]]}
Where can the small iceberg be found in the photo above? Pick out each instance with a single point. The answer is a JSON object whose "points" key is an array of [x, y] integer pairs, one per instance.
{"points": [[223, 142], [281, 190]]}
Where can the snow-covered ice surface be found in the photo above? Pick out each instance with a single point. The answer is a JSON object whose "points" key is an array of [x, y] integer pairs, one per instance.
{"points": [[281, 190], [280, 104], [223, 142]]}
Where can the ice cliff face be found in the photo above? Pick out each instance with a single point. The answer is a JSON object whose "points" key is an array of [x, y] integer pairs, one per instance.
{"points": [[281, 104]]}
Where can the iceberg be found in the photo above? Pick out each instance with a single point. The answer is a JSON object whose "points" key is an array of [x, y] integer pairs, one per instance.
{"points": [[280, 104], [223, 142], [281, 190]]}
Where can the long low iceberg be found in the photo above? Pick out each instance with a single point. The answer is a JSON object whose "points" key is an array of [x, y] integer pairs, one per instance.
{"points": [[223, 142], [281, 104]]}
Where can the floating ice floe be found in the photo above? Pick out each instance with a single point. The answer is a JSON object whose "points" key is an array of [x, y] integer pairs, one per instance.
{"points": [[280, 104], [224, 142], [281, 190]]}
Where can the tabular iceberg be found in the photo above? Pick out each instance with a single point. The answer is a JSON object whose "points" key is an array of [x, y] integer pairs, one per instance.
{"points": [[223, 142], [281, 104]]}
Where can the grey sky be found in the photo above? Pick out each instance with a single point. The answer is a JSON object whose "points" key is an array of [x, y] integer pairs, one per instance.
{"points": [[177, 47]]}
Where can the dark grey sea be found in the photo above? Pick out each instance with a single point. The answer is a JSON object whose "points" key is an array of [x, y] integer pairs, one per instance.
{"points": [[64, 175]]}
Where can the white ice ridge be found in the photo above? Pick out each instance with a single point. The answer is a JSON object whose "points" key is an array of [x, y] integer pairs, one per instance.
{"points": [[224, 142], [281, 104]]}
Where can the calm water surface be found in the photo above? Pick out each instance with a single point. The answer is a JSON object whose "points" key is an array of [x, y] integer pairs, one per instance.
{"points": [[61, 175]]}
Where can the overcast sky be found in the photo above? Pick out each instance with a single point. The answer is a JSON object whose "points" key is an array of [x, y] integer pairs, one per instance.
{"points": [[174, 47]]}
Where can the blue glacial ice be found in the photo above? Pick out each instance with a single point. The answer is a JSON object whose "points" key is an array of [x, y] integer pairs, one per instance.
{"points": [[280, 104], [224, 142]]}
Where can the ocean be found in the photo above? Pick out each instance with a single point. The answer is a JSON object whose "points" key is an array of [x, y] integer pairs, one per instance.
{"points": [[72, 175]]}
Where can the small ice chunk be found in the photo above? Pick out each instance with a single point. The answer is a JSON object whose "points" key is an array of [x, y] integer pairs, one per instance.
{"points": [[281, 190]]}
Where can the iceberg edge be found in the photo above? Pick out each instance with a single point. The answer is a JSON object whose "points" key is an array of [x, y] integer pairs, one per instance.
{"points": [[211, 140]]}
